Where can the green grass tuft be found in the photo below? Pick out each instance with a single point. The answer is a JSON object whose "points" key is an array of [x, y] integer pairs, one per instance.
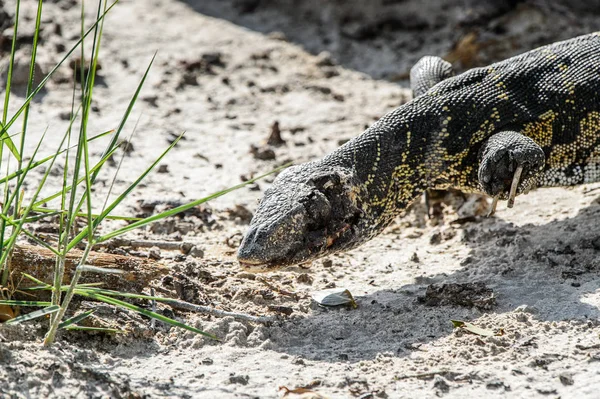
{"points": [[22, 206]]}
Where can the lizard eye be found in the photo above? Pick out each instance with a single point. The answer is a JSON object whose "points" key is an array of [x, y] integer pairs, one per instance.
{"points": [[318, 208], [326, 182]]}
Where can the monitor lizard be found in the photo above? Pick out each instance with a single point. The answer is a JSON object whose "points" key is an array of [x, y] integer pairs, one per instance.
{"points": [[530, 121]]}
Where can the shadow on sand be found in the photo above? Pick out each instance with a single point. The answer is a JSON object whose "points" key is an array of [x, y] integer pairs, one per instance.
{"points": [[551, 268]]}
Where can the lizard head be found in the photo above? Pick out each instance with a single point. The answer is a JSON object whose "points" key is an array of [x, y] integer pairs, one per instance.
{"points": [[311, 210]]}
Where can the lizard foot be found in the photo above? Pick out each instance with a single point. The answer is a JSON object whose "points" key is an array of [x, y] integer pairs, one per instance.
{"points": [[509, 164]]}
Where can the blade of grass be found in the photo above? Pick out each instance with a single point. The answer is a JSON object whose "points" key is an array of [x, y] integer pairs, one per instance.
{"points": [[38, 216], [24, 303], [27, 233], [90, 228], [13, 49], [87, 104], [98, 329], [107, 292], [11, 63], [82, 150], [46, 159], [182, 208], [7, 249], [59, 266], [5, 259], [5, 211], [48, 287], [153, 315], [30, 81], [51, 333], [98, 165], [51, 212], [76, 319], [114, 179], [114, 141], [17, 229], [35, 280], [7, 125], [34, 315]]}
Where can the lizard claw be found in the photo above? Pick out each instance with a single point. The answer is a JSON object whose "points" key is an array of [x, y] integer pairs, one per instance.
{"points": [[509, 164]]}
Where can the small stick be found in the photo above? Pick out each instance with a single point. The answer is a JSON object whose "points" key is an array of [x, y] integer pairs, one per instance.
{"points": [[514, 186], [166, 245], [153, 321], [216, 312], [493, 206], [427, 204], [422, 375], [277, 289]]}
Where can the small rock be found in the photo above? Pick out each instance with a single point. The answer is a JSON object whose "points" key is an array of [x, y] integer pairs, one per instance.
{"points": [[440, 384], [164, 168], [596, 243], [20, 73], [234, 240], [277, 36], [151, 100], [327, 263], [246, 276], [527, 309], [286, 310], [214, 58], [546, 391], [196, 252], [241, 212], [239, 379], [522, 317], [324, 58], [127, 146], [275, 136], [154, 253], [299, 361], [263, 153], [187, 79], [65, 115], [82, 67], [207, 361], [566, 379], [436, 238], [338, 97], [305, 278], [330, 73], [496, 384]]}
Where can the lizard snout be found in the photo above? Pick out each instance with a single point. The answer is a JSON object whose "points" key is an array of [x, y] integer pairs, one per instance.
{"points": [[269, 245]]}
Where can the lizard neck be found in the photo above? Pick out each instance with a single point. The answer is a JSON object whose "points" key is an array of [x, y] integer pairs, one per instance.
{"points": [[390, 162]]}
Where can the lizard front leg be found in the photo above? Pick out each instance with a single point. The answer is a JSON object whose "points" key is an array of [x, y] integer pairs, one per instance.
{"points": [[425, 74], [428, 72], [509, 164]]}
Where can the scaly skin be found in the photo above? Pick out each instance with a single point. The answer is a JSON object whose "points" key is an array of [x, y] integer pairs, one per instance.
{"points": [[550, 95]]}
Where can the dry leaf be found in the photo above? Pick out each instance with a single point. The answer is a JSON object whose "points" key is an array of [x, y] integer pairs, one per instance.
{"points": [[305, 392], [6, 313], [334, 297], [476, 330]]}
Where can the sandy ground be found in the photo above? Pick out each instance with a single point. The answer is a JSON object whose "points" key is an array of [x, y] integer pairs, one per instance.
{"points": [[225, 72]]}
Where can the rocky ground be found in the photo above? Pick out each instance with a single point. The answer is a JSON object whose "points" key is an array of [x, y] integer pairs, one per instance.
{"points": [[230, 74]]}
